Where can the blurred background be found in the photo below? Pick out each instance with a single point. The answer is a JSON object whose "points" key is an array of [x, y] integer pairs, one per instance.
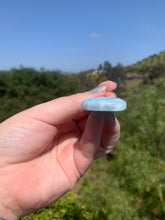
{"points": [[55, 48]]}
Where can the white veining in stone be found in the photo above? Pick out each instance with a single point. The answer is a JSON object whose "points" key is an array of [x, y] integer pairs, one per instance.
{"points": [[105, 104]]}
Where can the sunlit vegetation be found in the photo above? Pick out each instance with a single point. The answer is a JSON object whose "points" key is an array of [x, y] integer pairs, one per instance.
{"points": [[146, 64], [130, 182]]}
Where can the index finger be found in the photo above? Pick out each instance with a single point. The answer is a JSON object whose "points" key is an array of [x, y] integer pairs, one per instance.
{"points": [[66, 108]]}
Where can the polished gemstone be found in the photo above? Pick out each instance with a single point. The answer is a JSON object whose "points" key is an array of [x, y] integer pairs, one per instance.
{"points": [[105, 104]]}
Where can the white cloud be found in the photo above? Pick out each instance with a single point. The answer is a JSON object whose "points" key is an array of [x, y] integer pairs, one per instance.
{"points": [[94, 35]]}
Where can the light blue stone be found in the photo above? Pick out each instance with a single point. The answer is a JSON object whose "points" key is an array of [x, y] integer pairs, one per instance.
{"points": [[104, 104]]}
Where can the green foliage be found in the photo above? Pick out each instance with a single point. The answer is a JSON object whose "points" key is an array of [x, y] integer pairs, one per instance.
{"points": [[128, 184], [67, 207], [91, 78], [23, 88], [146, 64], [116, 73], [146, 118], [154, 72]]}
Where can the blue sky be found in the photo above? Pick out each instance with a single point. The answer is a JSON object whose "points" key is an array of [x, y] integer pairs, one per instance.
{"points": [[76, 35]]}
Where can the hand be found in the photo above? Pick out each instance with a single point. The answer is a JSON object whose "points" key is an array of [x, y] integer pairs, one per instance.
{"points": [[46, 149]]}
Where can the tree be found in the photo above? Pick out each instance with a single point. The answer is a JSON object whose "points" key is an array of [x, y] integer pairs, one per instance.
{"points": [[118, 74], [107, 67], [100, 67]]}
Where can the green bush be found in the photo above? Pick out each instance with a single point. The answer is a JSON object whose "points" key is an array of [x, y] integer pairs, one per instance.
{"points": [[128, 184]]}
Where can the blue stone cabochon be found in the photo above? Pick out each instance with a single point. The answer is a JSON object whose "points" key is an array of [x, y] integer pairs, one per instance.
{"points": [[105, 104]]}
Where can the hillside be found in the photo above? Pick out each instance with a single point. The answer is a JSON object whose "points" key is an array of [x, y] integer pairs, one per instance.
{"points": [[127, 184], [141, 67], [149, 68]]}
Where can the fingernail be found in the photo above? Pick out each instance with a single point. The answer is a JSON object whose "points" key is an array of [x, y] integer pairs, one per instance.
{"points": [[109, 149], [98, 89]]}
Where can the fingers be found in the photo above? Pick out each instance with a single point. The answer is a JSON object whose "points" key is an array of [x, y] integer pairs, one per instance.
{"points": [[110, 94], [90, 141], [110, 135], [60, 110], [84, 114], [111, 131]]}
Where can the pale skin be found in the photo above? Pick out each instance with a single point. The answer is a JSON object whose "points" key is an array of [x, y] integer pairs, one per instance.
{"points": [[45, 150]]}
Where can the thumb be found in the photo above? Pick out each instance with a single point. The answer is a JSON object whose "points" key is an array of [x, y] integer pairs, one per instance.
{"points": [[63, 109]]}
